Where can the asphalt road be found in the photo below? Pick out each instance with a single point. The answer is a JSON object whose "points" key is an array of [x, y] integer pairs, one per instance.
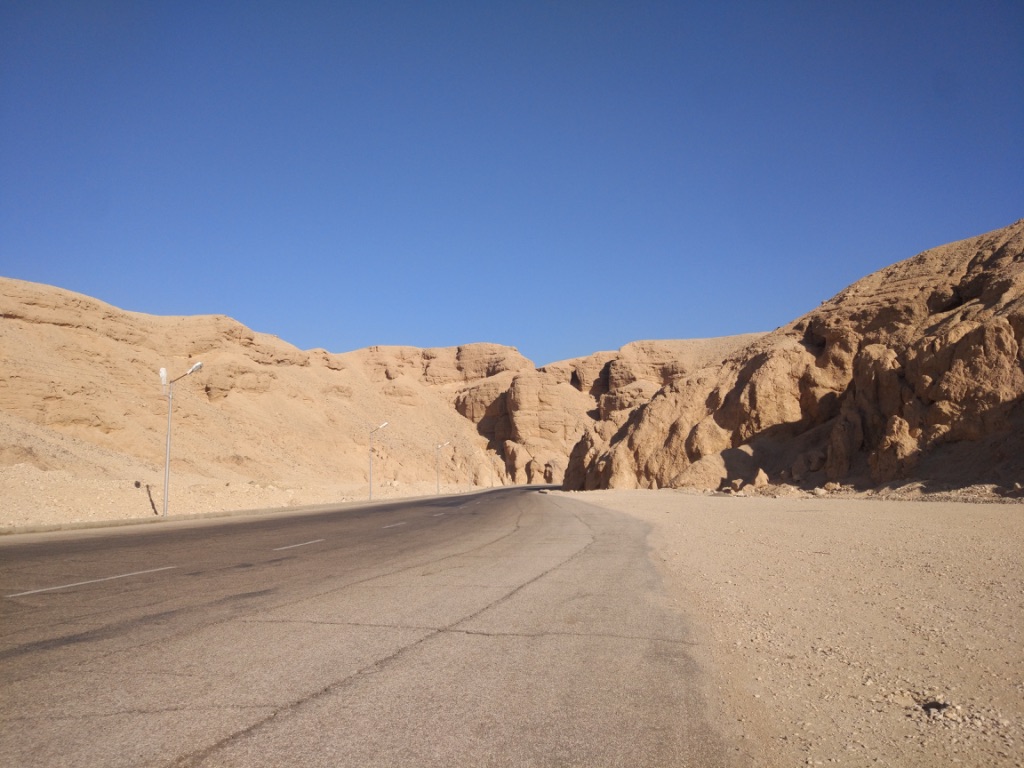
{"points": [[511, 628]]}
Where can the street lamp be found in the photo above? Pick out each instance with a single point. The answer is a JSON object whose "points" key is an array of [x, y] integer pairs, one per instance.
{"points": [[170, 396], [437, 463], [371, 456]]}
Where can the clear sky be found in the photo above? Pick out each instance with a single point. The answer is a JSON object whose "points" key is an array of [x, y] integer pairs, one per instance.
{"points": [[563, 177]]}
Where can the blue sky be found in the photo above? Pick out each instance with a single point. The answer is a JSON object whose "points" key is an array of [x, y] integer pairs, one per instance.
{"points": [[563, 177]]}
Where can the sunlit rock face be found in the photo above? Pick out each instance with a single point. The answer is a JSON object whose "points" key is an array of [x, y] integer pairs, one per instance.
{"points": [[915, 371]]}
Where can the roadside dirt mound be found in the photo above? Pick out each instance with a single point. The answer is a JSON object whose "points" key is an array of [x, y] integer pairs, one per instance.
{"points": [[913, 373]]}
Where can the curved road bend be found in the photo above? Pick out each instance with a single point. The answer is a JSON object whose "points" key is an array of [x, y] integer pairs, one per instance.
{"points": [[509, 628]]}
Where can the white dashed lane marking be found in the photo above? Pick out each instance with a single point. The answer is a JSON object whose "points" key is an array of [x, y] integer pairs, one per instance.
{"points": [[92, 581], [171, 567], [303, 544]]}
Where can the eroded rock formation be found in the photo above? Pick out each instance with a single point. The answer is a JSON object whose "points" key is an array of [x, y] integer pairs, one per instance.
{"points": [[533, 418], [916, 371]]}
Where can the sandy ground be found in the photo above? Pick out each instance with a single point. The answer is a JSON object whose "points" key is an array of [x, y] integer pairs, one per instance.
{"points": [[849, 631], [32, 500]]}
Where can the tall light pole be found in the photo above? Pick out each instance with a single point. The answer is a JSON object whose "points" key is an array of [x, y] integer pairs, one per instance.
{"points": [[371, 456], [169, 385], [437, 463]]}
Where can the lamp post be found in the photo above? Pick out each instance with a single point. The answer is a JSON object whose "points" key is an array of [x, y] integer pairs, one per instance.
{"points": [[170, 397], [437, 463], [371, 456]]}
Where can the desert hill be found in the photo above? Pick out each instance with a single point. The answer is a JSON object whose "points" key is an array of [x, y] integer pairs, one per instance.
{"points": [[914, 373], [911, 374], [266, 423], [83, 417]]}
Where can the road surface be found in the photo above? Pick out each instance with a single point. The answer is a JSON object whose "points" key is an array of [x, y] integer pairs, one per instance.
{"points": [[510, 628]]}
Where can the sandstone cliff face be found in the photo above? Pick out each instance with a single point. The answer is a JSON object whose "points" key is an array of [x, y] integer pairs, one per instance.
{"points": [[533, 418], [915, 371], [259, 412]]}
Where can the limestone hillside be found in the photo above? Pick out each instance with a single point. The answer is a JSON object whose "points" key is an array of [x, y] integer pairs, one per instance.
{"points": [[913, 374], [83, 417]]}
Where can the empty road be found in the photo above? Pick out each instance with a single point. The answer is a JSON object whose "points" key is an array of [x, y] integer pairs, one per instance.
{"points": [[508, 628]]}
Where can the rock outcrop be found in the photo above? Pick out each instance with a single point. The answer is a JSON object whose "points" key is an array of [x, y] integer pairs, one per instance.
{"points": [[259, 411], [533, 418], [916, 371], [262, 411]]}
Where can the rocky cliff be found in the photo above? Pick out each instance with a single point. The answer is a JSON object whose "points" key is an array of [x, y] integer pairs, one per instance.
{"points": [[915, 372], [80, 396], [533, 418]]}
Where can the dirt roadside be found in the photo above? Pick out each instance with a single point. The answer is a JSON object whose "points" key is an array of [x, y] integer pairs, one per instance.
{"points": [[854, 632]]}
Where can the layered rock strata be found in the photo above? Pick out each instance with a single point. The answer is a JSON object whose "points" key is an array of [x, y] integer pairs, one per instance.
{"points": [[913, 374], [916, 371]]}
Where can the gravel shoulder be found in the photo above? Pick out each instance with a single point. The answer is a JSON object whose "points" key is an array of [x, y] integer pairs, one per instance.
{"points": [[840, 631]]}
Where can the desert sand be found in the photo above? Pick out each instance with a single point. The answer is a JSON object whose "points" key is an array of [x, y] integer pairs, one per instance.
{"points": [[849, 631]]}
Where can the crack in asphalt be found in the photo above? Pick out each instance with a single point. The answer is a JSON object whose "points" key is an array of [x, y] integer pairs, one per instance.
{"points": [[457, 626], [434, 630], [139, 711], [110, 631], [196, 758], [595, 635]]}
